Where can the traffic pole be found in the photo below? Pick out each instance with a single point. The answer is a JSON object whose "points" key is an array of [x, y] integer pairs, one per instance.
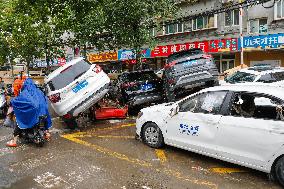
{"points": [[241, 33]]}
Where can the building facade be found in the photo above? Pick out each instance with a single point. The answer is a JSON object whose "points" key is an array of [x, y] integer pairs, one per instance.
{"points": [[219, 34]]}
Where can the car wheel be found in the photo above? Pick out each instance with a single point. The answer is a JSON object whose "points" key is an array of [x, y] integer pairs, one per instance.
{"points": [[279, 170], [152, 135], [71, 123]]}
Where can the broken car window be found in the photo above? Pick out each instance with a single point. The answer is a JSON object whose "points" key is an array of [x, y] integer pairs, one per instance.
{"points": [[257, 106], [210, 102], [239, 77]]}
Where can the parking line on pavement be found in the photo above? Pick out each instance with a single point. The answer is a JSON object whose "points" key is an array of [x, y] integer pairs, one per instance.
{"points": [[76, 137], [161, 155], [113, 136], [72, 137], [226, 170], [114, 127], [183, 177]]}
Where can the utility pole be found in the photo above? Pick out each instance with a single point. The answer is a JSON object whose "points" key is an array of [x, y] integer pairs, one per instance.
{"points": [[241, 33]]}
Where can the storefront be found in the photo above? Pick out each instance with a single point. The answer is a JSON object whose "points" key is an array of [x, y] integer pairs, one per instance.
{"points": [[128, 59], [263, 49], [107, 60], [223, 51]]}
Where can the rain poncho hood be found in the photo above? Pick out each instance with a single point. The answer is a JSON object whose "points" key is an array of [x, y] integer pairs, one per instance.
{"points": [[30, 105]]}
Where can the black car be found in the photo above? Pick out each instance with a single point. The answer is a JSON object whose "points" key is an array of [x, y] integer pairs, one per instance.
{"points": [[140, 88], [186, 70]]}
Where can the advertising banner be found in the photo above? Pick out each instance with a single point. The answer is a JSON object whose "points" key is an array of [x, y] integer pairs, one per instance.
{"points": [[130, 55], [264, 41], [166, 50], [224, 45], [102, 57], [41, 63]]}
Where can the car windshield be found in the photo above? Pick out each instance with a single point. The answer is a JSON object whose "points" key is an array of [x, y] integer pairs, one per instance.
{"points": [[68, 75], [239, 77]]}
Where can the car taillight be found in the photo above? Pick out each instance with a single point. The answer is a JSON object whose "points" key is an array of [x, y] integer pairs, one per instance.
{"points": [[128, 84], [67, 116], [124, 85], [54, 98], [97, 69], [171, 81], [207, 56], [167, 66]]}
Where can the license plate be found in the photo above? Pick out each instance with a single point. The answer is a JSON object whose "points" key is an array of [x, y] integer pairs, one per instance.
{"points": [[146, 87], [80, 86], [189, 63]]}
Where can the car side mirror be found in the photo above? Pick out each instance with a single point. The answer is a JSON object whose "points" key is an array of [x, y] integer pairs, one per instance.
{"points": [[174, 111]]}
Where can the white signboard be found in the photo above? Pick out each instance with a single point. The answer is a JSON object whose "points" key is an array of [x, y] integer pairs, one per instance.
{"points": [[274, 63]]}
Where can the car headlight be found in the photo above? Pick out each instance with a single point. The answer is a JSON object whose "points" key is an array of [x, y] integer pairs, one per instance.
{"points": [[139, 115]]}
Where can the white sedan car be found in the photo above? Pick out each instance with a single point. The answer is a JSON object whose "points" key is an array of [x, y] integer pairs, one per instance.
{"points": [[239, 124]]}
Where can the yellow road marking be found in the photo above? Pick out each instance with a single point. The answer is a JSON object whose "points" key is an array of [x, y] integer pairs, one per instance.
{"points": [[161, 155], [114, 127], [181, 176], [88, 135], [91, 132], [113, 136], [226, 170], [72, 137]]}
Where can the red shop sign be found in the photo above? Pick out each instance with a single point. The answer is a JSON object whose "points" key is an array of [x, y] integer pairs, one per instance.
{"points": [[221, 45], [164, 51]]}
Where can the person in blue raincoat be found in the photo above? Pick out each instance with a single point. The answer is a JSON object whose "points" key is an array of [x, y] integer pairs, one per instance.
{"points": [[28, 107]]}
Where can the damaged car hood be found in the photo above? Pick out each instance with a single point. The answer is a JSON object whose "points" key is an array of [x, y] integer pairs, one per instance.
{"points": [[164, 108]]}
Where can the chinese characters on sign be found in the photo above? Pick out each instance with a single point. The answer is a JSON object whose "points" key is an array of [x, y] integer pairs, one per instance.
{"points": [[38, 63], [264, 41], [207, 46], [221, 45], [163, 51], [103, 57]]}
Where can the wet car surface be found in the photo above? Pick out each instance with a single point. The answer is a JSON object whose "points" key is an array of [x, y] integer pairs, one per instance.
{"points": [[105, 154]]}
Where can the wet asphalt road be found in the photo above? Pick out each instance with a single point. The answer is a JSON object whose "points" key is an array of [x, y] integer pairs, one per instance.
{"points": [[106, 155]]}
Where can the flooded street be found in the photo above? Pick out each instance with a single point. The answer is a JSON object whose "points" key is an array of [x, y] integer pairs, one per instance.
{"points": [[105, 154]]}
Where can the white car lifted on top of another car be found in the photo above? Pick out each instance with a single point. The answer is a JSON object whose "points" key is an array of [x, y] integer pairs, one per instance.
{"points": [[239, 124], [75, 87]]}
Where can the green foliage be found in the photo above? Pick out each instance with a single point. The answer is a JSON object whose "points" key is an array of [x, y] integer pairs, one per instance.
{"points": [[31, 28]]}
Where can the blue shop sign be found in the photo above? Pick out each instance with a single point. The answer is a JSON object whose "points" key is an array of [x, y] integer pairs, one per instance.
{"points": [[129, 54], [38, 63], [263, 41]]}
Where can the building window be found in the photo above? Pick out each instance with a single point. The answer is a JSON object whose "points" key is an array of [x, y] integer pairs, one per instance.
{"points": [[204, 22], [153, 32], [232, 18], [258, 25], [279, 10], [173, 28], [187, 26]]}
